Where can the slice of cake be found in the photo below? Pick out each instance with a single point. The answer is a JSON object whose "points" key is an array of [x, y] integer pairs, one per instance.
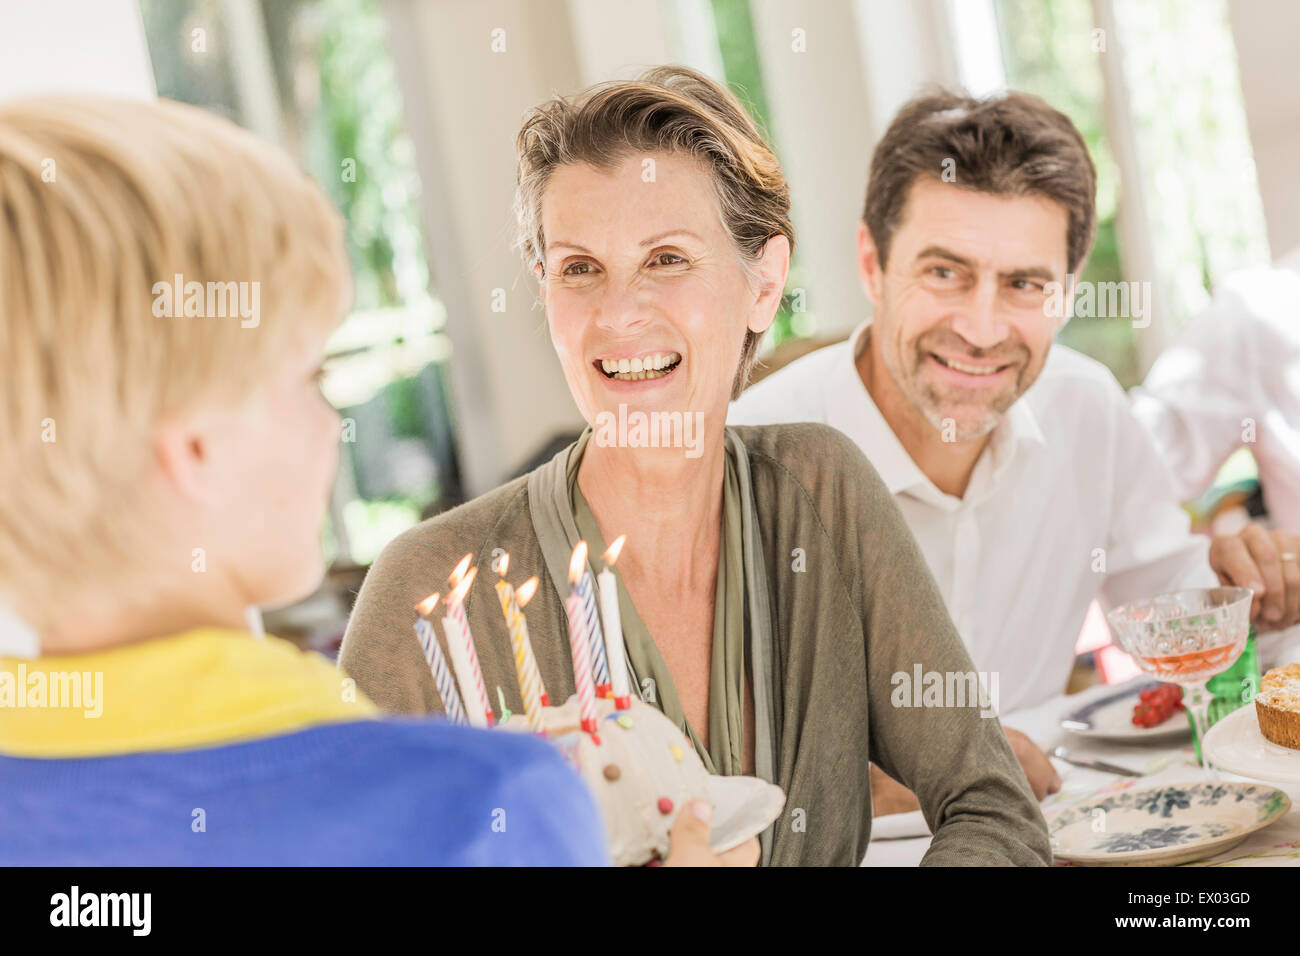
{"points": [[642, 770], [1277, 706]]}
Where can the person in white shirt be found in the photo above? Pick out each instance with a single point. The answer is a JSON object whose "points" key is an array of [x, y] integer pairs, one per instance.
{"points": [[1232, 380], [1019, 467]]}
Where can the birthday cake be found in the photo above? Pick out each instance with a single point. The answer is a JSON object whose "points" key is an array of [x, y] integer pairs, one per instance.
{"points": [[642, 771], [1277, 706]]}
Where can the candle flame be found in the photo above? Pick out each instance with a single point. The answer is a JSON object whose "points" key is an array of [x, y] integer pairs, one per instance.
{"points": [[614, 550], [462, 589], [459, 571], [576, 563], [526, 591], [425, 607], [503, 565]]}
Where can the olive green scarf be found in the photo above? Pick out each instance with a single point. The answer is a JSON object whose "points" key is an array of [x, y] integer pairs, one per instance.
{"points": [[561, 517]]}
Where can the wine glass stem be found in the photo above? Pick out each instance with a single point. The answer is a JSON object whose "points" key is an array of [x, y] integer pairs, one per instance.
{"points": [[1197, 701]]}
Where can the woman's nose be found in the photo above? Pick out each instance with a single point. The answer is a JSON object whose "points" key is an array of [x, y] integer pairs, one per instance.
{"points": [[623, 310]]}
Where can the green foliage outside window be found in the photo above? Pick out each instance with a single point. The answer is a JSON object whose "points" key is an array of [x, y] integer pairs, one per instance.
{"points": [[735, 29]]}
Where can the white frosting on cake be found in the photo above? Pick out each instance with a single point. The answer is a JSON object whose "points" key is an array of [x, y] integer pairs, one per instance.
{"points": [[651, 761]]}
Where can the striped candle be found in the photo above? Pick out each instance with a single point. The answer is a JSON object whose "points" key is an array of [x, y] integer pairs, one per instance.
{"points": [[580, 578], [461, 645], [442, 676], [595, 637], [581, 662], [530, 680]]}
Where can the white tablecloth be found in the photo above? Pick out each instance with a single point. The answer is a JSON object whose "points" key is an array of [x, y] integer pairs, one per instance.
{"points": [[1276, 845]]}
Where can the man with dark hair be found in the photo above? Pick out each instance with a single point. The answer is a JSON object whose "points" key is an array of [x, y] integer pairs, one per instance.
{"points": [[1028, 502]]}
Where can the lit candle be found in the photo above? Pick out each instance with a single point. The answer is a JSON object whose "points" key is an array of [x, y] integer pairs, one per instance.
{"points": [[523, 595], [614, 626], [530, 681], [586, 589], [580, 647], [460, 643], [442, 677]]}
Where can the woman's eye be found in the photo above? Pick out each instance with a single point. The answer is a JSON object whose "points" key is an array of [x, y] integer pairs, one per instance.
{"points": [[577, 269], [668, 259]]}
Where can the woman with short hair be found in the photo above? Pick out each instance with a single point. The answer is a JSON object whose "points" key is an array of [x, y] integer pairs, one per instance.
{"points": [[771, 597]]}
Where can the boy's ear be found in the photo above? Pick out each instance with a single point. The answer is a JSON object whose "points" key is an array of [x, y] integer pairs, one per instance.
{"points": [[182, 453]]}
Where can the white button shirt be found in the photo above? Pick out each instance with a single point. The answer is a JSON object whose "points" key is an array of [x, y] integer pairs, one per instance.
{"points": [[1232, 379], [1069, 501]]}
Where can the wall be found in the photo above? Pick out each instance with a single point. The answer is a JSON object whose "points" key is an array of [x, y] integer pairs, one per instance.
{"points": [[73, 46]]}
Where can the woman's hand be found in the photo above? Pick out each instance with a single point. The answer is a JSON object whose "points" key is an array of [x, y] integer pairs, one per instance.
{"points": [[1042, 776], [889, 796], [689, 841]]}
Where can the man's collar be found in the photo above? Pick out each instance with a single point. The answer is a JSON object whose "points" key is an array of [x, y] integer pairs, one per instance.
{"points": [[851, 409]]}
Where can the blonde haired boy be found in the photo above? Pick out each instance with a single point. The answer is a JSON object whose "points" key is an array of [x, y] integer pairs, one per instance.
{"points": [[167, 284]]}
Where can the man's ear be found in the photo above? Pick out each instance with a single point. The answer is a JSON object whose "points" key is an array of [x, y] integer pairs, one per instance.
{"points": [[870, 271], [182, 453], [773, 266]]}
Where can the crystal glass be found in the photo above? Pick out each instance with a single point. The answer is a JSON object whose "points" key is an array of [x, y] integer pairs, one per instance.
{"points": [[1186, 637]]}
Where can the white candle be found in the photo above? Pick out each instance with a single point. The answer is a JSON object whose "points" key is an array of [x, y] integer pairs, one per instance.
{"points": [[613, 621]]}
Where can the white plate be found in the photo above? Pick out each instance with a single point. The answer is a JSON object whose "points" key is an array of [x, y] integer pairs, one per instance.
{"points": [[742, 808], [1236, 745], [1163, 825], [1111, 718]]}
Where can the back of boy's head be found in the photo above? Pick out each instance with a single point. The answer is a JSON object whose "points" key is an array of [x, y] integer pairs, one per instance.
{"points": [[105, 207]]}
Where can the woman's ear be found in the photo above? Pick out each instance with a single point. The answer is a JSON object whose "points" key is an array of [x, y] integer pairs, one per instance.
{"points": [[772, 268], [540, 275]]}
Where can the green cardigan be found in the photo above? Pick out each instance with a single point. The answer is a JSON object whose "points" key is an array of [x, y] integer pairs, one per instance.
{"points": [[853, 605]]}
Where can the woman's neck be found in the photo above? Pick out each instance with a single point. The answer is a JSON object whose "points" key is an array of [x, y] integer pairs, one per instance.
{"points": [[670, 507]]}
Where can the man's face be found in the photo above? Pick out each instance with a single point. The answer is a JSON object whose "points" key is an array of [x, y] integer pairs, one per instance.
{"points": [[960, 322]]}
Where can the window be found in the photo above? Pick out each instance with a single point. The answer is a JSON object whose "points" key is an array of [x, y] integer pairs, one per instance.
{"points": [[726, 27], [1190, 165], [316, 77]]}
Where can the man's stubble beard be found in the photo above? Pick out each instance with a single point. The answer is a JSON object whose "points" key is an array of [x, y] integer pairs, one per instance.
{"points": [[923, 397]]}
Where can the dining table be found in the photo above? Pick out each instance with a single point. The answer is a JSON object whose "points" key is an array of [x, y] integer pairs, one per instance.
{"points": [[902, 839]]}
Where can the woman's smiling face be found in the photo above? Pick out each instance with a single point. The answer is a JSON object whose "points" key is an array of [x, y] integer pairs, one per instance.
{"points": [[646, 295]]}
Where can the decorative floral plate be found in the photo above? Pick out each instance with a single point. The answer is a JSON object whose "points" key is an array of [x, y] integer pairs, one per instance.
{"points": [[1161, 826]]}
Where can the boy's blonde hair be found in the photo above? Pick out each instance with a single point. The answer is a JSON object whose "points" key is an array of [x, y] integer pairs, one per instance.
{"points": [[100, 201]]}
